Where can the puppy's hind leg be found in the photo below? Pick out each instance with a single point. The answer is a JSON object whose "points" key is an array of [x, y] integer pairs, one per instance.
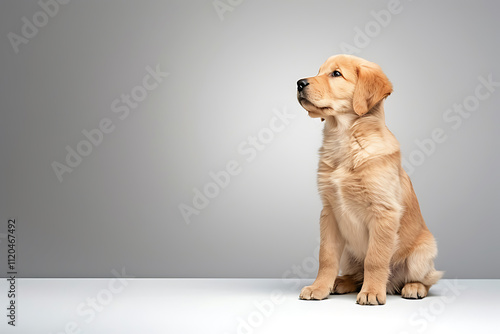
{"points": [[414, 290], [352, 275], [420, 273], [346, 284]]}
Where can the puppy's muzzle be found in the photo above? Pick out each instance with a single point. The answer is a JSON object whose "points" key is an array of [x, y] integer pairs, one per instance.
{"points": [[301, 84]]}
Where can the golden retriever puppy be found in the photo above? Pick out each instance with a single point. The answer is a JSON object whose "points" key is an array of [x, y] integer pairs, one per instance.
{"points": [[371, 227]]}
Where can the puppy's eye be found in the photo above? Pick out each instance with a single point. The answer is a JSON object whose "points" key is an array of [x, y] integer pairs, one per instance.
{"points": [[336, 74]]}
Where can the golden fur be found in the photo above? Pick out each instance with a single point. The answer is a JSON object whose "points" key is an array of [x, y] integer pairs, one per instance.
{"points": [[371, 226]]}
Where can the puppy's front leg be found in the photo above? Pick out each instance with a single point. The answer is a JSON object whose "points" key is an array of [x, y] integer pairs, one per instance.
{"points": [[330, 250], [382, 238]]}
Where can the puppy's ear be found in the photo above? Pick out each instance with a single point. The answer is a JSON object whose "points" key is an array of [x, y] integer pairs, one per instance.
{"points": [[372, 86]]}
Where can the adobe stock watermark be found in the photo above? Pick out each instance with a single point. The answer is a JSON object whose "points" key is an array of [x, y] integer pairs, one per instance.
{"points": [[364, 36], [88, 310], [425, 315], [263, 309], [307, 268], [224, 6], [31, 27], [248, 149], [453, 117], [121, 107]]}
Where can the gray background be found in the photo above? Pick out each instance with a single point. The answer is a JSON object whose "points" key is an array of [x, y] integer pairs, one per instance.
{"points": [[119, 207]]}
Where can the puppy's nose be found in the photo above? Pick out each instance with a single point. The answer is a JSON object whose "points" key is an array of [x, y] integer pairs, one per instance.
{"points": [[301, 84]]}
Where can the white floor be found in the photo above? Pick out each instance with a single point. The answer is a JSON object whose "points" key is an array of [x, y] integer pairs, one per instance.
{"points": [[227, 306]]}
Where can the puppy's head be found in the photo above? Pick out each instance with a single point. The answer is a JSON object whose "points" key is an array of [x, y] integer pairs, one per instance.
{"points": [[344, 84]]}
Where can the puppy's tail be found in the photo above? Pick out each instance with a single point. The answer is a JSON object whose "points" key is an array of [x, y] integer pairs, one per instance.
{"points": [[432, 277]]}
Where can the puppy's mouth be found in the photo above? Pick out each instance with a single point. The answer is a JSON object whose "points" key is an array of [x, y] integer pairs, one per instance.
{"points": [[310, 106], [303, 101]]}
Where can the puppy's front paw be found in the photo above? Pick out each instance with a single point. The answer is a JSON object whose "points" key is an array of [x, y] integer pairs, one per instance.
{"points": [[371, 298], [314, 292]]}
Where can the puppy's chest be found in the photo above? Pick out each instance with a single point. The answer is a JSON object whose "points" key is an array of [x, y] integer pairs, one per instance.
{"points": [[340, 175], [344, 190], [336, 169]]}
